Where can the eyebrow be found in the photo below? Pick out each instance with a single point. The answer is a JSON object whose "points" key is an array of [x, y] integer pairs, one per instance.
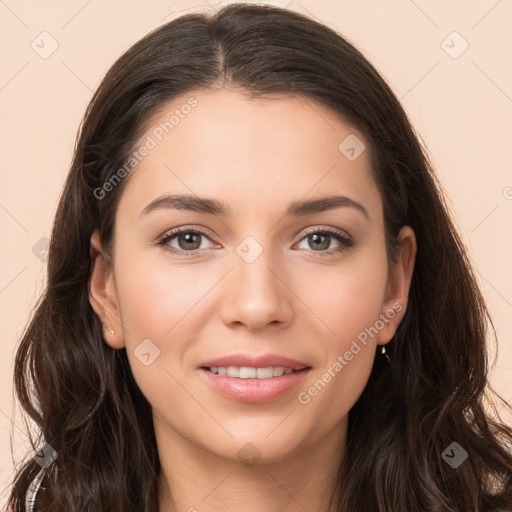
{"points": [[214, 207]]}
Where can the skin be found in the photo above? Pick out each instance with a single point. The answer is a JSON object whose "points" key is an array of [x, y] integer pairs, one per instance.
{"points": [[257, 156]]}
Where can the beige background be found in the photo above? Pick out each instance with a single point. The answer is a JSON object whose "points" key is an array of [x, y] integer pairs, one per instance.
{"points": [[461, 107]]}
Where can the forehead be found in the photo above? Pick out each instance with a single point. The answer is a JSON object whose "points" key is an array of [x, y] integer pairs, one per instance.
{"points": [[279, 148]]}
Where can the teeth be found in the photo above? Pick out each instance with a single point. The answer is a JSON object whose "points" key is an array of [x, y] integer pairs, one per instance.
{"points": [[247, 372]]}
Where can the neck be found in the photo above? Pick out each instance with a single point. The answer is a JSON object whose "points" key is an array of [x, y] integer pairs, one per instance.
{"points": [[195, 480]]}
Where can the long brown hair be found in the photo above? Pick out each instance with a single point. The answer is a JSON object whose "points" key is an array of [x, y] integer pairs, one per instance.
{"points": [[81, 393]]}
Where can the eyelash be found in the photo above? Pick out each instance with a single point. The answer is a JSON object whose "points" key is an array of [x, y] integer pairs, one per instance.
{"points": [[346, 241]]}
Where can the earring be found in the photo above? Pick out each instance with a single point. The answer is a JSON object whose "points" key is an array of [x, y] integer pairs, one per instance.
{"points": [[383, 352], [109, 330]]}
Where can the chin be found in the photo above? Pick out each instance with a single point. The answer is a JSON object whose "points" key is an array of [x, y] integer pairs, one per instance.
{"points": [[256, 446]]}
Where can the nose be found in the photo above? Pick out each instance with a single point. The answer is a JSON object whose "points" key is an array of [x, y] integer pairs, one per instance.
{"points": [[256, 294]]}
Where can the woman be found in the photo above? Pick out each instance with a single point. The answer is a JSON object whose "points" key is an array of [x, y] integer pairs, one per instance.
{"points": [[256, 297]]}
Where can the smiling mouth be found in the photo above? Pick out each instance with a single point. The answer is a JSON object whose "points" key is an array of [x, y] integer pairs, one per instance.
{"points": [[252, 384], [249, 372]]}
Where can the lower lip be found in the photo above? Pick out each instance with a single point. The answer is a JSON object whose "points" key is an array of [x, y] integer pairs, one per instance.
{"points": [[254, 391]]}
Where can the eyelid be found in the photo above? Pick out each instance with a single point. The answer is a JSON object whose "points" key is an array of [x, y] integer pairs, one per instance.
{"points": [[186, 228], [325, 229]]}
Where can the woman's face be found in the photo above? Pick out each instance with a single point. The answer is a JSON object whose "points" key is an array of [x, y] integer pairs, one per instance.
{"points": [[266, 272]]}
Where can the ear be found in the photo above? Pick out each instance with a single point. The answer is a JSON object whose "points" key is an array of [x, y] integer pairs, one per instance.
{"points": [[102, 294], [398, 284]]}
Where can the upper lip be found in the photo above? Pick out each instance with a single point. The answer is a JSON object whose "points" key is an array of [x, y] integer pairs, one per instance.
{"points": [[255, 361]]}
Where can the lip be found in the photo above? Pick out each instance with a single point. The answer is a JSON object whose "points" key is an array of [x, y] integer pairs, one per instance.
{"points": [[260, 361], [254, 391]]}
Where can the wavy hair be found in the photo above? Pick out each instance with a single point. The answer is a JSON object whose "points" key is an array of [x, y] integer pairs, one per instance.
{"points": [[81, 393]]}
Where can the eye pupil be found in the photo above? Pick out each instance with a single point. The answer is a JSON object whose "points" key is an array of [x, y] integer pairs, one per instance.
{"points": [[188, 240], [318, 238]]}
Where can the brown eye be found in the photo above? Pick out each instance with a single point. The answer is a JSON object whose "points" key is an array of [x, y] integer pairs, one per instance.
{"points": [[326, 241], [185, 241], [319, 242], [189, 240]]}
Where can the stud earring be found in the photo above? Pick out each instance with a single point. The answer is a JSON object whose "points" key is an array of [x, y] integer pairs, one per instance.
{"points": [[109, 330]]}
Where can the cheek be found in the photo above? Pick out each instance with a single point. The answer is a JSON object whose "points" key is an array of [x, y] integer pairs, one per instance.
{"points": [[349, 302], [154, 315], [347, 353], [347, 299], [333, 390], [155, 296]]}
